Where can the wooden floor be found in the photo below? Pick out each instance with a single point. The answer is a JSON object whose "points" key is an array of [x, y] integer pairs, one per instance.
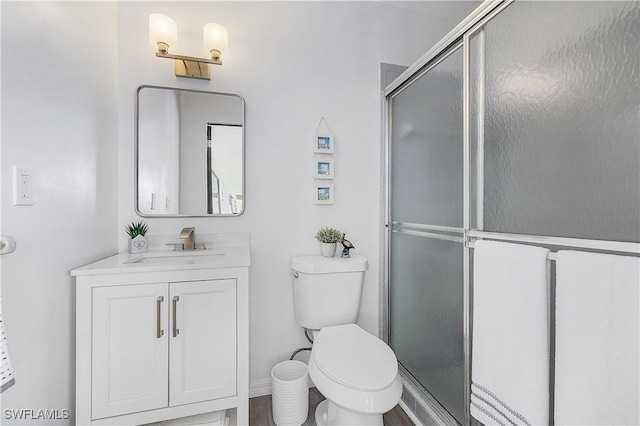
{"points": [[260, 412]]}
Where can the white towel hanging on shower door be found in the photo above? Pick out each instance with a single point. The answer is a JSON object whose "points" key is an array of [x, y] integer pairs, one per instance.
{"points": [[597, 328], [510, 352]]}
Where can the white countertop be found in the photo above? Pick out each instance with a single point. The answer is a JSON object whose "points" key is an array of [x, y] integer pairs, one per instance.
{"points": [[236, 255]]}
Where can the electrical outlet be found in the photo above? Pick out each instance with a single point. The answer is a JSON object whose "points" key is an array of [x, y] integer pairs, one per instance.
{"points": [[22, 186]]}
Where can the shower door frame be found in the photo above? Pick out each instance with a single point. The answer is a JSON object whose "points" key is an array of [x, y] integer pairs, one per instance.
{"points": [[458, 36], [461, 35]]}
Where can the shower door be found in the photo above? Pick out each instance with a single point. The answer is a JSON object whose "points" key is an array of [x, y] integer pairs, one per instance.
{"points": [[426, 240], [523, 128]]}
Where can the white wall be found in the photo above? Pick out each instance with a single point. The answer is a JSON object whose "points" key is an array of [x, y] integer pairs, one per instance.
{"points": [[293, 62], [59, 82]]}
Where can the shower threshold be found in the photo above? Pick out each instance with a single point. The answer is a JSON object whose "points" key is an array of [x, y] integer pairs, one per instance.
{"points": [[422, 404]]}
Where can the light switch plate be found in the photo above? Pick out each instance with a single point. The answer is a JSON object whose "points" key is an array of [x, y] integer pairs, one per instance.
{"points": [[22, 186]]}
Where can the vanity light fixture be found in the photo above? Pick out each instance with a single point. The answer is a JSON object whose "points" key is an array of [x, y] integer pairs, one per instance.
{"points": [[163, 35]]}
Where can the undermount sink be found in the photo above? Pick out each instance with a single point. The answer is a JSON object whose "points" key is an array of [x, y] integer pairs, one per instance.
{"points": [[180, 257]]}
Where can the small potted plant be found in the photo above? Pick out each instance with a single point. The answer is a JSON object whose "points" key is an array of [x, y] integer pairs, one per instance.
{"points": [[138, 241], [328, 237]]}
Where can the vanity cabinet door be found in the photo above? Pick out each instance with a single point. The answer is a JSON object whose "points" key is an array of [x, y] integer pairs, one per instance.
{"points": [[129, 349], [202, 345]]}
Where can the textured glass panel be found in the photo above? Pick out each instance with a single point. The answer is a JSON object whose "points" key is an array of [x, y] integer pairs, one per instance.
{"points": [[426, 315], [562, 130], [426, 139]]}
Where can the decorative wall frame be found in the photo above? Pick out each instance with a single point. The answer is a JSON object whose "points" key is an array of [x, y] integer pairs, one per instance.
{"points": [[323, 168], [323, 143], [323, 194], [323, 165]]}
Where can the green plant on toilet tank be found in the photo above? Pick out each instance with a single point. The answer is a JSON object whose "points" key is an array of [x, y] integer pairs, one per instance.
{"points": [[138, 241], [328, 237]]}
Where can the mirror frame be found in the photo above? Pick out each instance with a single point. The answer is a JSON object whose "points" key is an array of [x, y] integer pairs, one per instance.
{"points": [[137, 147]]}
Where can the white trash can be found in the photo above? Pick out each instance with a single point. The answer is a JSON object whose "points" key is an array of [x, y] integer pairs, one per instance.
{"points": [[290, 393]]}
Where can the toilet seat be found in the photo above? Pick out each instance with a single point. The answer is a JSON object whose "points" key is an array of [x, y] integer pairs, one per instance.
{"points": [[355, 370], [349, 355]]}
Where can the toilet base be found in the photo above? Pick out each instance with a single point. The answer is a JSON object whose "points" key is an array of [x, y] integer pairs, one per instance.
{"points": [[330, 414]]}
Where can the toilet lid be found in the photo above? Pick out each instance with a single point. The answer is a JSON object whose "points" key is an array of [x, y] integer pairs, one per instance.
{"points": [[354, 358]]}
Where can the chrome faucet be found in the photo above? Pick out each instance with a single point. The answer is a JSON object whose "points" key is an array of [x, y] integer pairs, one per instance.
{"points": [[189, 237]]}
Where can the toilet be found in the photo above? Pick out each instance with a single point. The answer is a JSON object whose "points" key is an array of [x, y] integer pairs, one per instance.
{"points": [[353, 369]]}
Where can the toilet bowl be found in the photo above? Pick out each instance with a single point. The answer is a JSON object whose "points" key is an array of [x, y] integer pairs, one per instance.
{"points": [[357, 373], [353, 369]]}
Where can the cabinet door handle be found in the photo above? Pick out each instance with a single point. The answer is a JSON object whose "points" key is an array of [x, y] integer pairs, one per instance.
{"points": [[175, 316], [159, 330]]}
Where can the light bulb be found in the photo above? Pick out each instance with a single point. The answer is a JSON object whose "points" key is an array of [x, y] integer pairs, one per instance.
{"points": [[163, 32], [216, 40]]}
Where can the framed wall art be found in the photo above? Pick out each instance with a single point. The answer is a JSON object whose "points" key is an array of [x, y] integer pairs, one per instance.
{"points": [[323, 194], [323, 143], [323, 168]]}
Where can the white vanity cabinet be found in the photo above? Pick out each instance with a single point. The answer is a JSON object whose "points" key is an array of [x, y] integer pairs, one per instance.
{"points": [[142, 332], [161, 341]]}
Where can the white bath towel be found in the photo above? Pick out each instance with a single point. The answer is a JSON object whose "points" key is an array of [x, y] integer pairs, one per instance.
{"points": [[6, 371], [510, 348], [597, 327]]}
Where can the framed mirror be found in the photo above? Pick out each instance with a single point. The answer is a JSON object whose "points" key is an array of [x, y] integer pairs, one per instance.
{"points": [[189, 153]]}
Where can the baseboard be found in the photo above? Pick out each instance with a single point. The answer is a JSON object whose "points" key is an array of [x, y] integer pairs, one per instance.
{"points": [[263, 387], [259, 388]]}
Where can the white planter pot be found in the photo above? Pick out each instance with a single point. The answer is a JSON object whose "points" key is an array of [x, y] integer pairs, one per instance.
{"points": [[138, 244], [328, 249]]}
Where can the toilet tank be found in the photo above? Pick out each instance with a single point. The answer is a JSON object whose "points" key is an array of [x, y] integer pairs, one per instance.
{"points": [[327, 291]]}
